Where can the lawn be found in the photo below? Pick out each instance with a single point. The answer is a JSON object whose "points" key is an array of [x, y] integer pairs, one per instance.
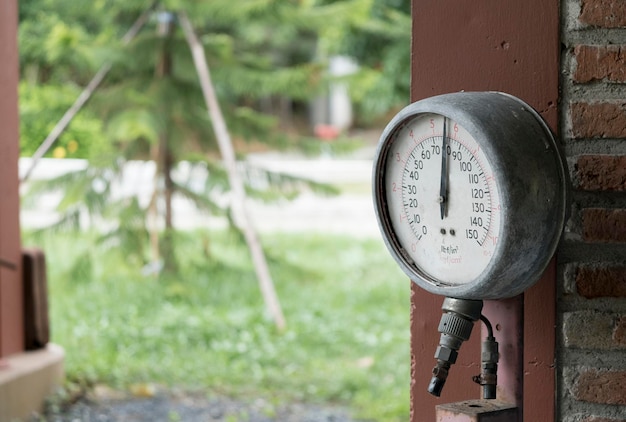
{"points": [[345, 301]]}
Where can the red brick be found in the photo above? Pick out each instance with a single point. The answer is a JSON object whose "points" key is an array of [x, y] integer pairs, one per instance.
{"points": [[603, 13], [604, 225], [599, 120], [604, 63], [601, 172], [601, 282], [601, 386]]}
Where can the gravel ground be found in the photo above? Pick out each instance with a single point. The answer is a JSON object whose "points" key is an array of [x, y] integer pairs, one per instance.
{"points": [[173, 407]]}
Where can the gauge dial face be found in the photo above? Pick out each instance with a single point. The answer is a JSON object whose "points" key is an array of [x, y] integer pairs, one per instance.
{"points": [[442, 199]]}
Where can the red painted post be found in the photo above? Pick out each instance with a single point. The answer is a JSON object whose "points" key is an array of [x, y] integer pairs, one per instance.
{"points": [[11, 309], [506, 316], [488, 46]]}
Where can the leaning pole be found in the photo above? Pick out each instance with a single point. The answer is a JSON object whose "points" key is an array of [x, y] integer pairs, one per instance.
{"points": [[240, 214]]}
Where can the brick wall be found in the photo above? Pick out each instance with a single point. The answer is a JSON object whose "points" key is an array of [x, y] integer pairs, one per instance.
{"points": [[592, 270]]}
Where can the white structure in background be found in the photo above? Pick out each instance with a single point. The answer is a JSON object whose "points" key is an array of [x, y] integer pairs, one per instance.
{"points": [[335, 109], [349, 213]]}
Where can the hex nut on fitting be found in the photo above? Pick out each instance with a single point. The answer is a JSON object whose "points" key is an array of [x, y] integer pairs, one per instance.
{"points": [[490, 352], [446, 354], [440, 372], [490, 357]]}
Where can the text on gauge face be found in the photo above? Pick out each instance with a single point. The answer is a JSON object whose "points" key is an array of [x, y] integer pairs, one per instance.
{"points": [[442, 198]]}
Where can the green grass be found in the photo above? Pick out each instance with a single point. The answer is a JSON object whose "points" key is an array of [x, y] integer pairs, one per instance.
{"points": [[345, 301]]}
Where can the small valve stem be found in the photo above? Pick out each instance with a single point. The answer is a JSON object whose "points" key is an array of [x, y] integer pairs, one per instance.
{"points": [[490, 355]]}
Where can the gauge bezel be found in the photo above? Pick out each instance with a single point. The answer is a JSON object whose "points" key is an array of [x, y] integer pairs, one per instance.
{"points": [[533, 197]]}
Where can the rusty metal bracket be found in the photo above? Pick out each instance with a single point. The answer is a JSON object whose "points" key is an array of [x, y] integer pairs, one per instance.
{"points": [[477, 411]]}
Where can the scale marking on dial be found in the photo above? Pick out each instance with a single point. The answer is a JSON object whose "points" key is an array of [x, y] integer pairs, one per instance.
{"points": [[445, 202]]}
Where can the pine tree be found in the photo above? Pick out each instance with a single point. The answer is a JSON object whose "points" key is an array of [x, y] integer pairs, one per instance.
{"points": [[267, 59], [152, 109]]}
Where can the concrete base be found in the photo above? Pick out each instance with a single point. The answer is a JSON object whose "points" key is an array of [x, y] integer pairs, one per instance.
{"points": [[27, 379]]}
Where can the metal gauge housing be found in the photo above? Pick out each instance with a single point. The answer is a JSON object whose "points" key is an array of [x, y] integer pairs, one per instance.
{"points": [[471, 194]]}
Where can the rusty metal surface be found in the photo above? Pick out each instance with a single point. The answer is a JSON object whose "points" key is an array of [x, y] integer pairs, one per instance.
{"points": [[506, 316], [477, 411]]}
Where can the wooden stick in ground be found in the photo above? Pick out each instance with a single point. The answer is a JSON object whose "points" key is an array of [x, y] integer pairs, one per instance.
{"points": [[240, 214]]}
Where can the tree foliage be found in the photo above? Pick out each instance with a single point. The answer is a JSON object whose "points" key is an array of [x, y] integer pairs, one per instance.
{"points": [[264, 54], [381, 45]]}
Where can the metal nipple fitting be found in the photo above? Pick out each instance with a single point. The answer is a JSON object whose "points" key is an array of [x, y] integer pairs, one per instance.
{"points": [[455, 327]]}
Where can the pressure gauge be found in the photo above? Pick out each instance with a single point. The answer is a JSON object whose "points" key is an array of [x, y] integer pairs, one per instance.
{"points": [[470, 192]]}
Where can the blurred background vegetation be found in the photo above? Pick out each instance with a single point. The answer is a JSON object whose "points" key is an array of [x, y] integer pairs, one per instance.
{"points": [[267, 57], [196, 324]]}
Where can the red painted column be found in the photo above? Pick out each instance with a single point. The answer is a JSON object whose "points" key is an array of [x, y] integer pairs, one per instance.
{"points": [[11, 308], [487, 45]]}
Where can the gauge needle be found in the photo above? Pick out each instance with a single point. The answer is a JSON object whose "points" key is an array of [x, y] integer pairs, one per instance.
{"points": [[443, 190]]}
